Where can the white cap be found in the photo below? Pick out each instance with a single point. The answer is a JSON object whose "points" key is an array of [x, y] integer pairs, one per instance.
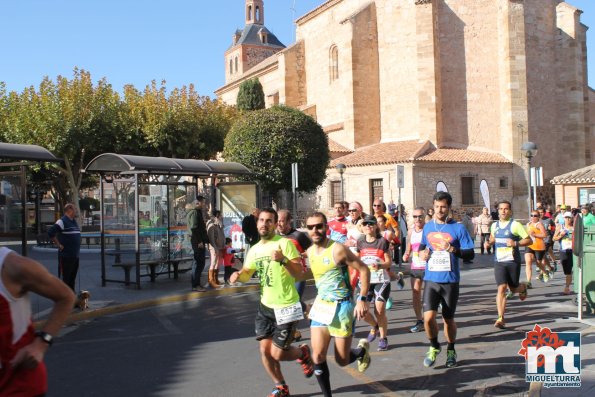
{"points": [[568, 214]]}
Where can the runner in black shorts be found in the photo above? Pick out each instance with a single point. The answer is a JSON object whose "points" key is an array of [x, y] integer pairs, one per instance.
{"points": [[443, 242], [266, 327]]}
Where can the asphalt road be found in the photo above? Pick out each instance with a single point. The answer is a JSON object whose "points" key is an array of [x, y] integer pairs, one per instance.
{"points": [[206, 348]]}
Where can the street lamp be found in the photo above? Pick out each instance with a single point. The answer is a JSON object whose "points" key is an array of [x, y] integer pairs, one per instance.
{"points": [[341, 169], [530, 151]]}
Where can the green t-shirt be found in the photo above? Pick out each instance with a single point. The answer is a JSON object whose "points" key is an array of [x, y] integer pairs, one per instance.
{"points": [[277, 286], [517, 229], [588, 220]]}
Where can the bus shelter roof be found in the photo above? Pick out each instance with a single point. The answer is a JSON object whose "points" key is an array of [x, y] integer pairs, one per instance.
{"points": [[129, 164], [26, 152]]}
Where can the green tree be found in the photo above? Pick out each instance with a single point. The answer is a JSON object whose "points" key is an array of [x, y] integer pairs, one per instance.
{"points": [[250, 95], [269, 141], [182, 124]]}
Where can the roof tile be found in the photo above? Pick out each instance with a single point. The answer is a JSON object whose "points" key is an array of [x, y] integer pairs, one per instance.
{"points": [[582, 175]]}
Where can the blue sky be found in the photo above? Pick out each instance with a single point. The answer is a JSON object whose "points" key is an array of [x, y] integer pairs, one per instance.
{"points": [[134, 41]]}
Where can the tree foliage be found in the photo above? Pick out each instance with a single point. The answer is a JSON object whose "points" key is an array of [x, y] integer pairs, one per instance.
{"points": [[77, 120], [269, 141], [250, 95]]}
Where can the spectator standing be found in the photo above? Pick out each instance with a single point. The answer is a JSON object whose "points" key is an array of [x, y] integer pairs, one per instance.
{"points": [[66, 234], [588, 217], [198, 239], [484, 221], [337, 227], [216, 246], [22, 350], [229, 260]]}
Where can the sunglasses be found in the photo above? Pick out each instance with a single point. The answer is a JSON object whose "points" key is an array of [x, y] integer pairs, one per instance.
{"points": [[418, 216], [376, 205], [318, 226], [368, 224], [352, 210], [535, 215]]}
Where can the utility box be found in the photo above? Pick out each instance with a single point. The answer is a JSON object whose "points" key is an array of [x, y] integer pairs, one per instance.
{"points": [[589, 268]]}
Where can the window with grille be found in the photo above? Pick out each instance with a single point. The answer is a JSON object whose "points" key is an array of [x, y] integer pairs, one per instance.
{"points": [[335, 193], [468, 190], [376, 191]]}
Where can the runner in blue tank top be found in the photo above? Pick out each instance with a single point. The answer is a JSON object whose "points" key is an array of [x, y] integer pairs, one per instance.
{"points": [[507, 235]]}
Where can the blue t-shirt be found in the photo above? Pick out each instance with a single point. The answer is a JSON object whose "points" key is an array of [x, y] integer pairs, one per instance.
{"points": [[69, 236], [435, 236]]}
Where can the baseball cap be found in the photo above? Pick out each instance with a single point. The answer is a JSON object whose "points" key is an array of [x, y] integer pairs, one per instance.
{"points": [[568, 214], [370, 219]]}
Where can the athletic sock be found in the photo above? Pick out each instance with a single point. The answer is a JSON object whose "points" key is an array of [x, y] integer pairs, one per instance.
{"points": [[354, 354], [281, 384], [451, 346], [434, 343], [323, 377]]}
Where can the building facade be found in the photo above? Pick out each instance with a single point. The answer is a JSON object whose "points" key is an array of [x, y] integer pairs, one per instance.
{"points": [[449, 89]]}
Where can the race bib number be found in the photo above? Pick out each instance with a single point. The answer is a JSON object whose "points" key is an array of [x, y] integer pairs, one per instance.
{"points": [[439, 261], [323, 311], [289, 314], [503, 253], [376, 276], [566, 244]]}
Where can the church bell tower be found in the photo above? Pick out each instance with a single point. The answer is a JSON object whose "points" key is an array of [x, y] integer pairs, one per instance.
{"points": [[255, 12]]}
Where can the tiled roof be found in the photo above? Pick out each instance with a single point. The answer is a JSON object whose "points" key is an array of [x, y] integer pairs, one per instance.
{"points": [[418, 151], [381, 153], [337, 148], [462, 156], [582, 175], [250, 36]]}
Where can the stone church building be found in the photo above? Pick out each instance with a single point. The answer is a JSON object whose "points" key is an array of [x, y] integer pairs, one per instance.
{"points": [[449, 89]]}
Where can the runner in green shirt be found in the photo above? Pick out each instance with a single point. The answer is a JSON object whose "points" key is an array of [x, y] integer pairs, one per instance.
{"points": [[278, 264]]}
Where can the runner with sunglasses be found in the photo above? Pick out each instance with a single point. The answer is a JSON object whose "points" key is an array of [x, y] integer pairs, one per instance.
{"points": [[333, 311], [536, 251], [374, 251], [418, 266]]}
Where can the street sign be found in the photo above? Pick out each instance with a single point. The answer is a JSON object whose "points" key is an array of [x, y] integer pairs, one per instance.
{"points": [[536, 176], [401, 176]]}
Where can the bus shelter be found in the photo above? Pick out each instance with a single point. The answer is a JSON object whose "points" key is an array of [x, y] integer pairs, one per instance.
{"points": [[15, 216], [143, 204]]}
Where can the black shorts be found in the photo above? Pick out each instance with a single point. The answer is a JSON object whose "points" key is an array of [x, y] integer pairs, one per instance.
{"points": [[445, 293], [266, 327], [538, 254], [507, 273], [567, 260], [417, 273], [380, 292]]}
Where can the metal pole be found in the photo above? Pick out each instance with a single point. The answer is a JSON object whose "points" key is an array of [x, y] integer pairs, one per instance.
{"points": [[24, 210], [136, 231], [101, 228], [529, 184], [535, 184], [342, 191]]}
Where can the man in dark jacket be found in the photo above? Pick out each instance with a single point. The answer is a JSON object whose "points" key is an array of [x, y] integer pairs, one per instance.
{"points": [[66, 234], [249, 227], [198, 239]]}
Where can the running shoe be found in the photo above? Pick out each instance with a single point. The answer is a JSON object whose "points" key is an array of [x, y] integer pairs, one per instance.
{"points": [[364, 362], [306, 361], [539, 277], [431, 356], [509, 294], [280, 391], [419, 326], [297, 335], [550, 274], [546, 277], [451, 358], [389, 303], [500, 323], [382, 344], [373, 334], [529, 285], [523, 295], [400, 280]]}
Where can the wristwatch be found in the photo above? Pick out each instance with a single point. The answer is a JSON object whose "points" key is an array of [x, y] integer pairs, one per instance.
{"points": [[47, 338], [362, 298]]}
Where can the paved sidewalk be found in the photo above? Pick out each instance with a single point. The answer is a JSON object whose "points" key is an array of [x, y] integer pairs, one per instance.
{"points": [[488, 359]]}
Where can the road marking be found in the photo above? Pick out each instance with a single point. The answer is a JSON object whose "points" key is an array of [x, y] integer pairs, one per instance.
{"points": [[167, 323]]}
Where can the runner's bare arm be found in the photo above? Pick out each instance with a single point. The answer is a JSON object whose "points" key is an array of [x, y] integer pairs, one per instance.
{"points": [[29, 275], [408, 248], [242, 275]]}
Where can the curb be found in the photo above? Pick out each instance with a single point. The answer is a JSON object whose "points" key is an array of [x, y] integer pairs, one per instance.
{"points": [[126, 307]]}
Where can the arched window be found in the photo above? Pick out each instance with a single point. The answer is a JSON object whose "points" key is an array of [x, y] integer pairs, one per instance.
{"points": [[333, 63], [230, 66], [236, 64], [249, 13], [257, 16]]}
